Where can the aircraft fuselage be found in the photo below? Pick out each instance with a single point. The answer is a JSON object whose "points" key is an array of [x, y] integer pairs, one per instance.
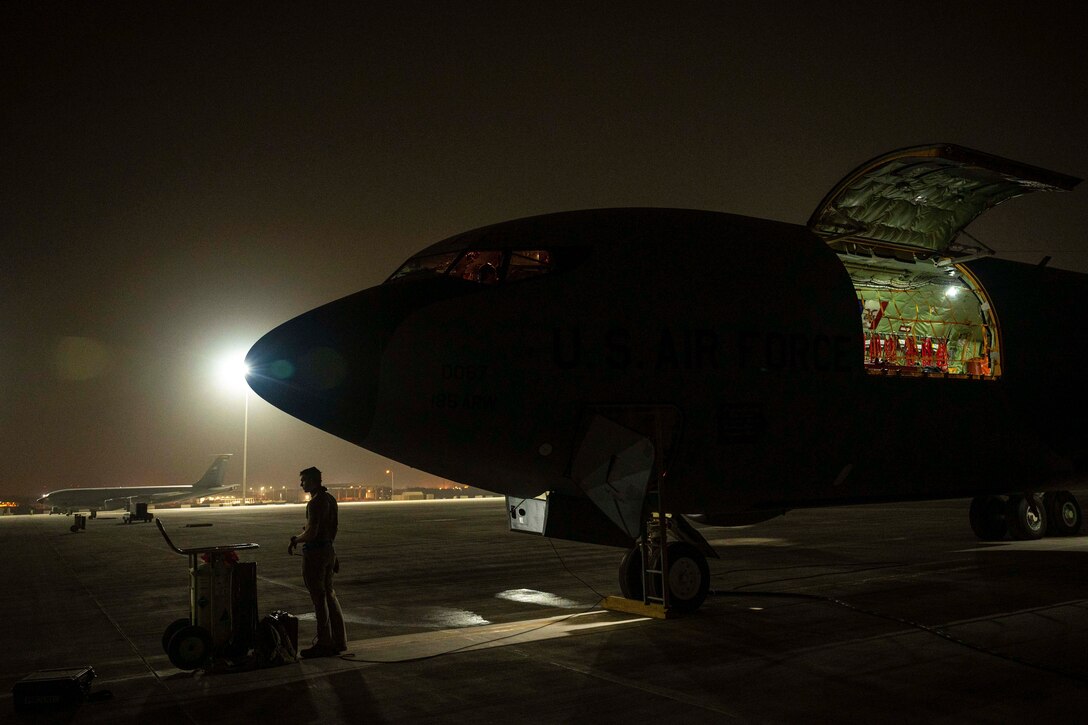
{"points": [[748, 329]]}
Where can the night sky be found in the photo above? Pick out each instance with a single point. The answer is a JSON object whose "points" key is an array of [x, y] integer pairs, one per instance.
{"points": [[179, 178]]}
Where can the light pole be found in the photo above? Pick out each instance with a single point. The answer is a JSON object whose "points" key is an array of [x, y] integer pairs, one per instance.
{"points": [[232, 372], [392, 485], [245, 438]]}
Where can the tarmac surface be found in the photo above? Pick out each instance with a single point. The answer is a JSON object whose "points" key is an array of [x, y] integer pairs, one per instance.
{"points": [[891, 613]]}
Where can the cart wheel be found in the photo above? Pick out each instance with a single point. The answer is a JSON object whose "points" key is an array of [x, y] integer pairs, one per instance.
{"points": [[189, 648], [176, 626]]}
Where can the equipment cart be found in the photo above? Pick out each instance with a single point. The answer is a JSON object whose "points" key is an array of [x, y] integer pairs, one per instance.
{"points": [[140, 514], [222, 606]]}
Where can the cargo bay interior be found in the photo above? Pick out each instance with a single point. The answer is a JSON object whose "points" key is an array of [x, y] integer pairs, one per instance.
{"points": [[922, 319]]}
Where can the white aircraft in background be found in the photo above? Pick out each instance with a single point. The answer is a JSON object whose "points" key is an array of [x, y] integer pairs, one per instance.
{"points": [[69, 500]]}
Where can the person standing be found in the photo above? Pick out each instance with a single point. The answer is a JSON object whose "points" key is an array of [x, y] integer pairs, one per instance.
{"points": [[319, 564]]}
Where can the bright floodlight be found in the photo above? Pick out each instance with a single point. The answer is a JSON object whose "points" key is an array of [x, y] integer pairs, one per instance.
{"points": [[231, 371]]}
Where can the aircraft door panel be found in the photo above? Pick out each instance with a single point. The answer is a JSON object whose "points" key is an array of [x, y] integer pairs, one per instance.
{"points": [[613, 466], [529, 515]]}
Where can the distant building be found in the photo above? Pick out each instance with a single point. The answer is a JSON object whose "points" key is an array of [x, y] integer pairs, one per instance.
{"points": [[348, 492], [20, 505], [357, 492], [412, 496], [445, 492]]}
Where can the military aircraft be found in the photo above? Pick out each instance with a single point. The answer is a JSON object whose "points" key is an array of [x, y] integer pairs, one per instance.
{"points": [[620, 373], [70, 500]]}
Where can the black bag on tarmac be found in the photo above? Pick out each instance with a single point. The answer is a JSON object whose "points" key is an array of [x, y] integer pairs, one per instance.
{"points": [[274, 643]]}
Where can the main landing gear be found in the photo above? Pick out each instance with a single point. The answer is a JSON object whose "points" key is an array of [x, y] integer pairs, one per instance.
{"points": [[1025, 517]]}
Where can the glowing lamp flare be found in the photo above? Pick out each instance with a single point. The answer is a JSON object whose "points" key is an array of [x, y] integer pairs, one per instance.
{"points": [[231, 371]]}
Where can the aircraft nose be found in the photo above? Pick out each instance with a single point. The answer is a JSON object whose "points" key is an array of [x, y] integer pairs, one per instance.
{"points": [[322, 367]]}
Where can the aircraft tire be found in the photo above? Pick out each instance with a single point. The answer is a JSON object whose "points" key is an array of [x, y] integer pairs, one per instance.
{"points": [[1026, 517], [631, 574], [176, 626], [689, 577], [988, 518], [190, 647], [1063, 512]]}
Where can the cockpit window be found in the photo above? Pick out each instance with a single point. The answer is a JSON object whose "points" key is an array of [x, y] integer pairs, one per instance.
{"points": [[429, 266], [529, 264], [483, 266], [487, 266]]}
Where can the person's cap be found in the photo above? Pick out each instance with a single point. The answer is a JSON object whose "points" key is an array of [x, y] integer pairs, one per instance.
{"points": [[311, 472]]}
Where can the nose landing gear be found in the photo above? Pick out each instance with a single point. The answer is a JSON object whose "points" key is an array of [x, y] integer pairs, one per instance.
{"points": [[675, 575]]}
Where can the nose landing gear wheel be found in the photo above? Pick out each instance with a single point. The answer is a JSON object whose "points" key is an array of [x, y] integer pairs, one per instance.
{"points": [[189, 648], [688, 577], [631, 574]]}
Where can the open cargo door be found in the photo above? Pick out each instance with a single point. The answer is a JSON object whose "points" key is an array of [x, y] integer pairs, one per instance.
{"points": [[920, 198]]}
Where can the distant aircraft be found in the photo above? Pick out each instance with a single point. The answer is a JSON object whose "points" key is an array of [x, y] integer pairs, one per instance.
{"points": [[69, 500], [640, 366]]}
